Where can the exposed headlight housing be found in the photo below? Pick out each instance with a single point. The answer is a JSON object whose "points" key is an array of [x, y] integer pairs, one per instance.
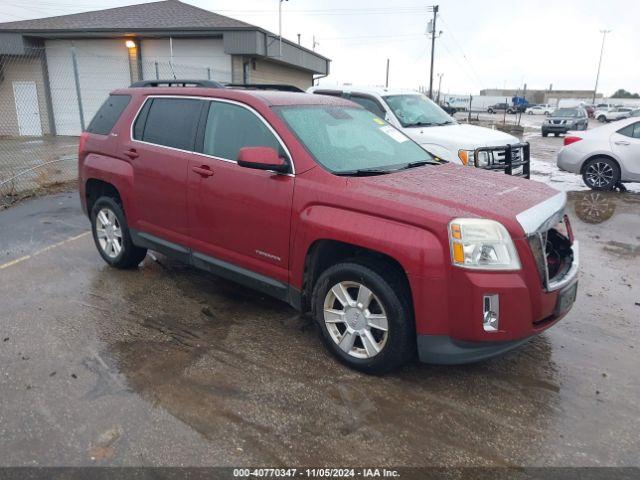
{"points": [[482, 244]]}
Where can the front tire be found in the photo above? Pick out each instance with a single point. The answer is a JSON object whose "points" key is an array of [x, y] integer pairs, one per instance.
{"points": [[365, 319], [111, 235], [601, 173], [602, 119]]}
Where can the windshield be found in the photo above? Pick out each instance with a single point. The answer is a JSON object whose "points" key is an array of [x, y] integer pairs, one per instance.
{"points": [[415, 110], [352, 140], [565, 112]]}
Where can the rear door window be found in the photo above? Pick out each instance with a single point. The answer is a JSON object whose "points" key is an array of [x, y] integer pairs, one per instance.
{"points": [[231, 127], [171, 122], [108, 114]]}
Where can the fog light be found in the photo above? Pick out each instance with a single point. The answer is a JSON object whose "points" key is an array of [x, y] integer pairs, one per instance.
{"points": [[490, 313]]}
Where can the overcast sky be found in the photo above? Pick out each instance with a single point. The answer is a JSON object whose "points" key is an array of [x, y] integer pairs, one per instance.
{"points": [[484, 44]]}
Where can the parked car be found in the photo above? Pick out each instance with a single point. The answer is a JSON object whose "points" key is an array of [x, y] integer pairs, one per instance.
{"points": [[324, 205], [612, 113], [635, 113], [448, 108], [590, 109], [545, 109], [565, 119], [438, 133], [501, 107], [604, 156]]}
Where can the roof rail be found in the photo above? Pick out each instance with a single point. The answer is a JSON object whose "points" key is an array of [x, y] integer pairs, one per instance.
{"points": [[177, 83], [266, 86]]}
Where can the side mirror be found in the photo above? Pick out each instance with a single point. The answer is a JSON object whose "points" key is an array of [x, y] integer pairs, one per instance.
{"points": [[262, 158]]}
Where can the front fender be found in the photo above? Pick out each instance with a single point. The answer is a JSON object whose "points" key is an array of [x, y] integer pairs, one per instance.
{"points": [[418, 251], [441, 152]]}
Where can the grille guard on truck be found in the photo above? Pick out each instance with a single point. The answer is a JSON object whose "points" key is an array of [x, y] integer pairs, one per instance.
{"points": [[513, 156]]}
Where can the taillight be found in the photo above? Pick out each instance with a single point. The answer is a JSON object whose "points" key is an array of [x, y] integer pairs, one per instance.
{"points": [[570, 140], [83, 140]]}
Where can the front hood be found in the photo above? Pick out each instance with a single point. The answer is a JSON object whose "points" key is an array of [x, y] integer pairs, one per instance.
{"points": [[456, 137], [441, 193]]}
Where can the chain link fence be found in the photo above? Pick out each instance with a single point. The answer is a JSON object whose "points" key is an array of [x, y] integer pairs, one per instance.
{"points": [[49, 95]]}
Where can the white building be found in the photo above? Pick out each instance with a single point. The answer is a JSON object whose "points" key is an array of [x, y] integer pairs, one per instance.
{"points": [[55, 72]]}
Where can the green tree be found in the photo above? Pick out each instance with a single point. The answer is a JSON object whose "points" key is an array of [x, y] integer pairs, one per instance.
{"points": [[622, 93]]}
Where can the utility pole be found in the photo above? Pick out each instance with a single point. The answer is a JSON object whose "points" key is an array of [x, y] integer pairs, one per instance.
{"points": [[440, 75], [386, 83], [433, 46], [298, 39], [280, 23], [313, 47], [595, 90]]}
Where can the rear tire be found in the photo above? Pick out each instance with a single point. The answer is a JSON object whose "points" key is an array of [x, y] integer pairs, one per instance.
{"points": [[111, 234], [352, 304], [602, 119], [601, 173]]}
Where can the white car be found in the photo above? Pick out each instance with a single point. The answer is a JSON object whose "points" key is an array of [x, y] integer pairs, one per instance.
{"points": [[605, 156], [613, 113], [440, 134], [540, 110]]}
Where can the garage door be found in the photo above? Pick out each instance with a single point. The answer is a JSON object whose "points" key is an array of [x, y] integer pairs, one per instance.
{"points": [[193, 58], [103, 66]]}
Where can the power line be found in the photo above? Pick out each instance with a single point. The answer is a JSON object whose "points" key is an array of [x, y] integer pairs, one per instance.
{"points": [[453, 37]]}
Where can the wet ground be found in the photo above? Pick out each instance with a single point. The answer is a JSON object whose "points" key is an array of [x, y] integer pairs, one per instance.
{"points": [[166, 365]]}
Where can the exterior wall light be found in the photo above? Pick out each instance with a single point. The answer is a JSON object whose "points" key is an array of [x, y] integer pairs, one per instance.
{"points": [[130, 44]]}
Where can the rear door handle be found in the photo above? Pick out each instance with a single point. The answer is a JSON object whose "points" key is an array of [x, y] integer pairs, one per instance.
{"points": [[131, 153], [621, 142], [203, 171]]}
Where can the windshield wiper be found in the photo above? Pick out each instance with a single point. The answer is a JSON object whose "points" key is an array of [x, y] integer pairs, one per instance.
{"points": [[421, 124], [363, 172], [419, 163]]}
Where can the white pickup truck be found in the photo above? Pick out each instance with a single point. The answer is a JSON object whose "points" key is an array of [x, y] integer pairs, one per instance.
{"points": [[440, 134]]}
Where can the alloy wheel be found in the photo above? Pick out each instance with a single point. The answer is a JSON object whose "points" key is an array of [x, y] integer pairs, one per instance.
{"points": [[356, 319], [599, 174], [108, 232]]}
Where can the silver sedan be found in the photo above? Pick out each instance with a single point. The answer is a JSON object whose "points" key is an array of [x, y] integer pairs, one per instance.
{"points": [[604, 156]]}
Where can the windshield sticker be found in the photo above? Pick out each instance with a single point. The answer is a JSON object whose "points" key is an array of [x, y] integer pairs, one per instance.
{"points": [[393, 133], [378, 121]]}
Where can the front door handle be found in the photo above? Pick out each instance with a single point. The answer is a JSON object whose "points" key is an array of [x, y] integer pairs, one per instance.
{"points": [[131, 153], [203, 171]]}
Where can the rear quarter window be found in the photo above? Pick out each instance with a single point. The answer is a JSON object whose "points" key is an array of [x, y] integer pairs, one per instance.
{"points": [[108, 114]]}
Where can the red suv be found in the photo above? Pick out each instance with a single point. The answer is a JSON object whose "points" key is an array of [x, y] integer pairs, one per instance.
{"points": [[320, 203]]}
